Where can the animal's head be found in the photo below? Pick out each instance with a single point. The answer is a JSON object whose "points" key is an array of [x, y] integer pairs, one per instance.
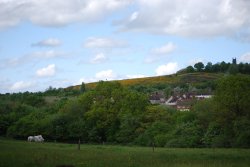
{"points": [[41, 137]]}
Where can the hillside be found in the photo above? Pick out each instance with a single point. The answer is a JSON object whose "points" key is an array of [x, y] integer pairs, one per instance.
{"points": [[111, 113], [175, 79]]}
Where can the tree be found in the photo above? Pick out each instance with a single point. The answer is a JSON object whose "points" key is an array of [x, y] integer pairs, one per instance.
{"points": [[215, 137], [242, 68], [227, 125], [224, 66], [27, 125], [132, 108], [233, 69], [190, 69], [167, 91], [156, 133], [205, 112], [60, 123], [186, 134], [233, 94], [82, 88], [77, 130], [216, 67], [199, 66], [209, 67]]}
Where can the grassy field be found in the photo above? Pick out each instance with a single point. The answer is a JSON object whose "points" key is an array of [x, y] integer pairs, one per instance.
{"points": [[22, 153]]}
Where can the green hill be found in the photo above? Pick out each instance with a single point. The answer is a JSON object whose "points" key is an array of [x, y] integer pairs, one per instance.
{"points": [[175, 79]]}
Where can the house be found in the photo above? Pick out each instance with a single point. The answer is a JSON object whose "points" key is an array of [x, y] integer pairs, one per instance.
{"points": [[172, 101], [184, 102], [181, 102], [157, 98]]}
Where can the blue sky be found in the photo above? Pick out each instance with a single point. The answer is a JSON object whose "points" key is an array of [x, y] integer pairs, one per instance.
{"points": [[65, 42]]}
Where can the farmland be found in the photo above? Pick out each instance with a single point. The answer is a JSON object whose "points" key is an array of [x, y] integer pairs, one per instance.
{"points": [[22, 153]]}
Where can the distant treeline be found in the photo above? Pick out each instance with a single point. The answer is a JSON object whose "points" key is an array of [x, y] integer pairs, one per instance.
{"points": [[223, 67], [111, 113]]}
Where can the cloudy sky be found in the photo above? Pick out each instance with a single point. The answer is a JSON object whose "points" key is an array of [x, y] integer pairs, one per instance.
{"points": [[65, 42]]}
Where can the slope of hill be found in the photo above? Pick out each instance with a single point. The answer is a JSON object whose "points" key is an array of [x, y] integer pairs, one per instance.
{"points": [[191, 78]]}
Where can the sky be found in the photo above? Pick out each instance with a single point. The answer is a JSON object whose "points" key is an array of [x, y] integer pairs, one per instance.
{"points": [[61, 43]]}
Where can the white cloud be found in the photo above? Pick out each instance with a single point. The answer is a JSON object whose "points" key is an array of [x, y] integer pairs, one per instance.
{"points": [[165, 49], [48, 71], [166, 69], [99, 58], [102, 75], [31, 58], [150, 59], [4, 85], [51, 42], [9, 63], [106, 75], [133, 16], [245, 57], [178, 17], [94, 42], [189, 18], [243, 35], [21, 85], [47, 54], [156, 54], [57, 12]]}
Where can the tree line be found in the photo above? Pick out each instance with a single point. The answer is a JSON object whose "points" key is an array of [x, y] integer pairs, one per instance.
{"points": [[111, 113], [222, 67]]}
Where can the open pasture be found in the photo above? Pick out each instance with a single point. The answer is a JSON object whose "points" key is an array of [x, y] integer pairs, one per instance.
{"points": [[23, 153]]}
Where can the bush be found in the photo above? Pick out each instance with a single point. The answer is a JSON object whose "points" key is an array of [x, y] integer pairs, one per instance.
{"points": [[186, 135], [242, 133], [160, 140]]}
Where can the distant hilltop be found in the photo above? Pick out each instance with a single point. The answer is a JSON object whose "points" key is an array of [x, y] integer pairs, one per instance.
{"points": [[197, 73], [223, 67]]}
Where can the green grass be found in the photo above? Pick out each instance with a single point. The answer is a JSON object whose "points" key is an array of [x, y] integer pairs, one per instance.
{"points": [[22, 153]]}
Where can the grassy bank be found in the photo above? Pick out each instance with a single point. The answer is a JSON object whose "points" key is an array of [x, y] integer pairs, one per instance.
{"points": [[22, 153]]}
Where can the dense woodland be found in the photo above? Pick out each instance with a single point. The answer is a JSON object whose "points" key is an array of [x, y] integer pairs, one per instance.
{"points": [[112, 113]]}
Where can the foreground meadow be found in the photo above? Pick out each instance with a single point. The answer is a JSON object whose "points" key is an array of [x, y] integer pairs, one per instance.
{"points": [[22, 153]]}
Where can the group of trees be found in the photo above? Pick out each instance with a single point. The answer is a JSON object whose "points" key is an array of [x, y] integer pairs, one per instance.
{"points": [[223, 67], [60, 92], [116, 114], [101, 115]]}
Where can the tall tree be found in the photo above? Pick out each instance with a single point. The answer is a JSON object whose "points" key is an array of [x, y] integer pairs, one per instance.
{"points": [[199, 66], [233, 94], [224, 66], [209, 67]]}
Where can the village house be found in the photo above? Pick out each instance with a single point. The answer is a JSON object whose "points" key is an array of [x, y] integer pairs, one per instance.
{"points": [[157, 98], [182, 102], [185, 102]]}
